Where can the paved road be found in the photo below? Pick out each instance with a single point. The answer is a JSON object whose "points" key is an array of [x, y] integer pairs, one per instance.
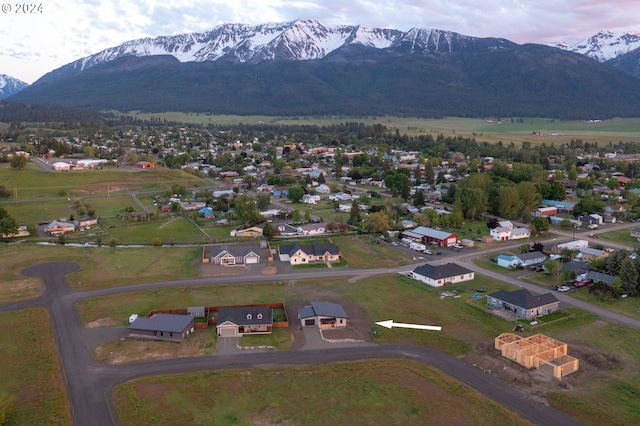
{"points": [[89, 383]]}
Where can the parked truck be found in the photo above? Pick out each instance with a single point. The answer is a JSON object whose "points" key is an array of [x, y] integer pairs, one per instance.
{"points": [[417, 246]]}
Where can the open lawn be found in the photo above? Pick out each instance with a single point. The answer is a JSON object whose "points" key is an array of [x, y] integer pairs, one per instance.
{"points": [[361, 252], [115, 310], [371, 392], [37, 183], [199, 343], [31, 370], [173, 230], [108, 207], [629, 306], [104, 266], [620, 236], [279, 338], [39, 211]]}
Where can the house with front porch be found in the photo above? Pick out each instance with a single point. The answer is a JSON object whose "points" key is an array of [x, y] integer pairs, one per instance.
{"points": [[242, 320], [297, 254], [59, 227], [323, 315], [231, 255], [440, 275], [523, 304]]}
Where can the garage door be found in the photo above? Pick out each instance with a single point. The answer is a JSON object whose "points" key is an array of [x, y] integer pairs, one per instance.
{"points": [[311, 321], [252, 260], [227, 331]]}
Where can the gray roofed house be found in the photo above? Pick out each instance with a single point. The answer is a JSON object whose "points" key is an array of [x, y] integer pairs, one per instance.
{"points": [[297, 254], [439, 275], [600, 277], [524, 304], [531, 258], [234, 255], [325, 315], [168, 327], [241, 320]]}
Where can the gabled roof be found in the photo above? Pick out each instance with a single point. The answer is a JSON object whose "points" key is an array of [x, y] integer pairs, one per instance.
{"points": [[524, 299], [597, 276], [431, 233], [438, 272], [322, 309], [246, 315], [163, 322], [316, 249], [531, 255]]}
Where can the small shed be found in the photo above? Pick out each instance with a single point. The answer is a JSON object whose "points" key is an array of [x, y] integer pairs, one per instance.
{"points": [[197, 312]]}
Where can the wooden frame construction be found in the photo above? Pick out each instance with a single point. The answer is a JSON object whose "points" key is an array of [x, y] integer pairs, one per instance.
{"points": [[537, 350]]}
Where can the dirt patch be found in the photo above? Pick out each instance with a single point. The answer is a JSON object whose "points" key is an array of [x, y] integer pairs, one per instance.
{"points": [[269, 270], [102, 322], [210, 270], [25, 289], [538, 382]]}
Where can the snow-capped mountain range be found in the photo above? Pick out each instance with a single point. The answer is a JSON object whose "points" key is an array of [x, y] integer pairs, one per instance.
{"points": [[604, 45], [10, 85], [299, 40]]}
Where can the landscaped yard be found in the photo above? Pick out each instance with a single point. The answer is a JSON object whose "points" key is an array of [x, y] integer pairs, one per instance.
{"points": [[371, 392], [31, 370], [279, 338]]}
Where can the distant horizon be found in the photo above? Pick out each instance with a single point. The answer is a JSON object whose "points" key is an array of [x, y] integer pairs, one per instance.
{"points": [[55, 34]]}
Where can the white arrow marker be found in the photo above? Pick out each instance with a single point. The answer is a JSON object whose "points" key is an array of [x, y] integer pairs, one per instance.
{"points": [[390, 324]]}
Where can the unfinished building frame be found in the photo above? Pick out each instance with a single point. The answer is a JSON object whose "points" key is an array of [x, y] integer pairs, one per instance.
{"points": [[537, 350]]}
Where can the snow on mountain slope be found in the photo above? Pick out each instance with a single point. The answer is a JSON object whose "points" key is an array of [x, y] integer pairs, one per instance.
{"points": [[295, 40], [604, 45], [10, 86]]}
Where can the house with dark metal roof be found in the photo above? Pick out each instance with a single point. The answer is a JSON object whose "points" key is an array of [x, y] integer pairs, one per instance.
{"points": [[440, 275], [169, 327], [523, 304], [297, 254], [241, 320], [324, 315], [595, 277]]}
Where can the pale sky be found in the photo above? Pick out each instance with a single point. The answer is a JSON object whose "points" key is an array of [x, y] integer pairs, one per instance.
{"points": [[61, 31]]}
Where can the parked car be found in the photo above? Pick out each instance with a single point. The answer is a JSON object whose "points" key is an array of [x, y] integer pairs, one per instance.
{"points": [[427, 252], [564, 288]]}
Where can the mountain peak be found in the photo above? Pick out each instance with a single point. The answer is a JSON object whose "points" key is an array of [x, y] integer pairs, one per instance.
{"points": [[606, 45], [10, 85]]}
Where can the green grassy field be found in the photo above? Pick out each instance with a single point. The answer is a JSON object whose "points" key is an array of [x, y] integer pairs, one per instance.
{"points": [[104, 266], [174, 230], [107, 207], [31, 371], [361, 252], [629, 306], [620, 236], [30, 184], [373, 392], [40, 211], [117, 308]]}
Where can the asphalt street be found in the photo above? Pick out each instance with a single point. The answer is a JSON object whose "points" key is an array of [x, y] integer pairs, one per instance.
{"points": [[89, 383]]}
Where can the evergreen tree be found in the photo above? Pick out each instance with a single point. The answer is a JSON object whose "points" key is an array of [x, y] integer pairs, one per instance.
{"points": [[629, 276], [418, 201], [354, 215], [269, 232]]}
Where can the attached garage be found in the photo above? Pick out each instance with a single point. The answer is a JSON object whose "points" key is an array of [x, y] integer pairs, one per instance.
{"points": [[309, 321], [252, 259], [227, 330]]}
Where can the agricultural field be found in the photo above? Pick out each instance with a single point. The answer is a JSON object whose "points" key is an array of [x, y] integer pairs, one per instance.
{"points": [[32, 184], [31, 370], [371, 392]]}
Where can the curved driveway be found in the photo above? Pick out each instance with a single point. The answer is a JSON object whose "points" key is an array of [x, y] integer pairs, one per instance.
{"points": [[89, 383]]}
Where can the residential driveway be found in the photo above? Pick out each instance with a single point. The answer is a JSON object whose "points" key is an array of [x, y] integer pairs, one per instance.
{"points": [[94, 337], [313, 340], [228, 345]]}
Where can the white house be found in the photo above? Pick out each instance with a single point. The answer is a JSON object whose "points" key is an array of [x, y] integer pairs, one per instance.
{"points": [[61, 166], [440, 275], [323, 189], [501, 233]]}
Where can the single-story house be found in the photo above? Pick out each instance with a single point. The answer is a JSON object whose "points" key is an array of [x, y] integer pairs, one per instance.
{"points": [[86, 222], [324, 315], [428, 235], [223, 193], [297, 254], [519, 233], [524, 304], [234, 256], [595, 277], [169, 327], [313, 229], [439, 275], [507, 261], [344, 208], [635, 232], [59, 227], [615, 209], [241, 320], [531, 258], [592, 219], [572, 245], [61, 166], [310, 199], [588, 253], [270, 213], [254, 231], [323, 189], [192, 205], [22, 232]]}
